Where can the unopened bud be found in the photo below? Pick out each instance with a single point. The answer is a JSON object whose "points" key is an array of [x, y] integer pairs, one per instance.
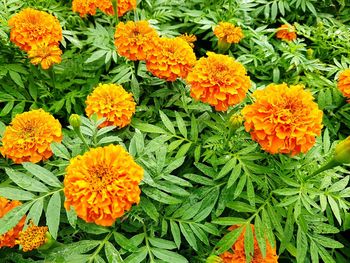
{"points": [[310, 53], [75, 121], [223, 46], [214, 259], [236, 121], [342, 151]]}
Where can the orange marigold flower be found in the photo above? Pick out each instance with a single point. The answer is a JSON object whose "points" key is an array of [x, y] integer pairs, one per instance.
{"points": [[228, 32], [218, 80], [283, 119], [89, 7], [8, 239], [134, 40], [171, 58], [30, 27], [344, 83], [239, 254], [45, 54], [33, 237], [286, 32], [190, 39], [28, 137], [102, 184], [112, 102]]}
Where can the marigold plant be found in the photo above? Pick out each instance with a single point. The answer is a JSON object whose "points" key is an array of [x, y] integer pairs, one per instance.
{"points": [[228, 32], [102, 184], [344, 83], [283, 119], [134, 40], [9, 238], [30, 27], [44, 54], [112, 102], [33, 237], [286, 32], [218, 80], [171, 58], [239, 255], [28, 137]]}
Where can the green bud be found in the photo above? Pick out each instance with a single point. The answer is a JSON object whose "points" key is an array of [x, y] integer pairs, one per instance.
{"points": [[223, 46], [75, 121], [49, 242], [310, 53], [342, 151], [236, 121], [214, 259]]}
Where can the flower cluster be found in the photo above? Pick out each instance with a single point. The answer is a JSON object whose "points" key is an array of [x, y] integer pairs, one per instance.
{"points": [[28, 137], [218, 80], [286, 32], [89, 7], [228, 33], [171, 58], [239, 254], [102, 184], [344, 83], [39, 34], [9, 238], [112, 102], [33, 237], [283, 120], [134, 40]]}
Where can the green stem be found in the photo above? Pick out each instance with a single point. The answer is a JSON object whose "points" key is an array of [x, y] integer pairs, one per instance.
{"points": [[81, 137], [53, 77], [331, 164], [104, 241], [115, 7], [147, 244]]}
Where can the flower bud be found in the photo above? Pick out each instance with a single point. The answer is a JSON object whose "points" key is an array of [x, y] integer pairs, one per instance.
{"points": [[214, 259], [75, 121], [236, 121], [310, 53], [342, 151], [223, 46]]}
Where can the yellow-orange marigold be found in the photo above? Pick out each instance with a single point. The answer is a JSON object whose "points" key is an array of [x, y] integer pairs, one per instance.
{"points": [[286, 32], [28, 137], [30, 27], [190, 39], [102, 184], [44, 54], [171, 58], [283, 119], [239, 254], [228, 32], [134, 40], [218, 80], [112, 102], [89, 7], [33, 237], [9, 238], [344, 83]]}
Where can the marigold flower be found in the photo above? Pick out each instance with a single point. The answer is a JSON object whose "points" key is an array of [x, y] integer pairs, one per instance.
{"points": [[28, 137], [45, 54], [9, 238], [112, 102], [171, 58], [134, 40], [190, 39], [30, 27], [344, 83], [89, 7], [33, 237], [239, 254], [228, 32], [286, 32], [102, 184], [218, 80], [283, 119]]}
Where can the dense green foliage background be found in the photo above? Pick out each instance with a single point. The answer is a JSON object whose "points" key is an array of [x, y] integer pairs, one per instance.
{"points": [[200, 176]]}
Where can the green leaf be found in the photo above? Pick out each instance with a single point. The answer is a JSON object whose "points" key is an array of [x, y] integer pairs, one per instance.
{"points": [[228, 240], [145, 127], [326, 257], [60, 150], [248, 243], [137, 257], [161, 196], [340, 185], [19, 108], [188, 234], [124, 242], [314, 252], [26, 182], [260, 235], [229, 221], [175, 231], [227, 168], [11, 219], [149, 208], [53, 213], [302, 245], [162, 243], [96, 56], [236, 172], [240, 186], [7, 108], [181, 124], [72, 216], [327, 242], [335, 208], [36, 211], [42, 174], [168, 256], [167, 122], [112, 254], [91, 228], [16, 194]]}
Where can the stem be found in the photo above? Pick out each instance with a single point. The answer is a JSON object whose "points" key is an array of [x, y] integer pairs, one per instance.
{"points": [[147, 244], [104, 241], [331, 164], [53, 77], [115, 7], [81, 137]]}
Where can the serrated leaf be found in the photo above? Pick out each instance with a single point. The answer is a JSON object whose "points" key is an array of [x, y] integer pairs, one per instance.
{"points": [[188, 234], [16, 194], [302, 245], [175, 231], [248, 243], [168, 256], [42, 174], [11, 218], [138, 256], [181, 124], [53, 213], [335, 208], [72, 216], [227, 168], [167, 122], [112, 254], [26, 182], [162, 243], [236, 172], [36, 211], [260, 235], [228, 240], [149, 208]]}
